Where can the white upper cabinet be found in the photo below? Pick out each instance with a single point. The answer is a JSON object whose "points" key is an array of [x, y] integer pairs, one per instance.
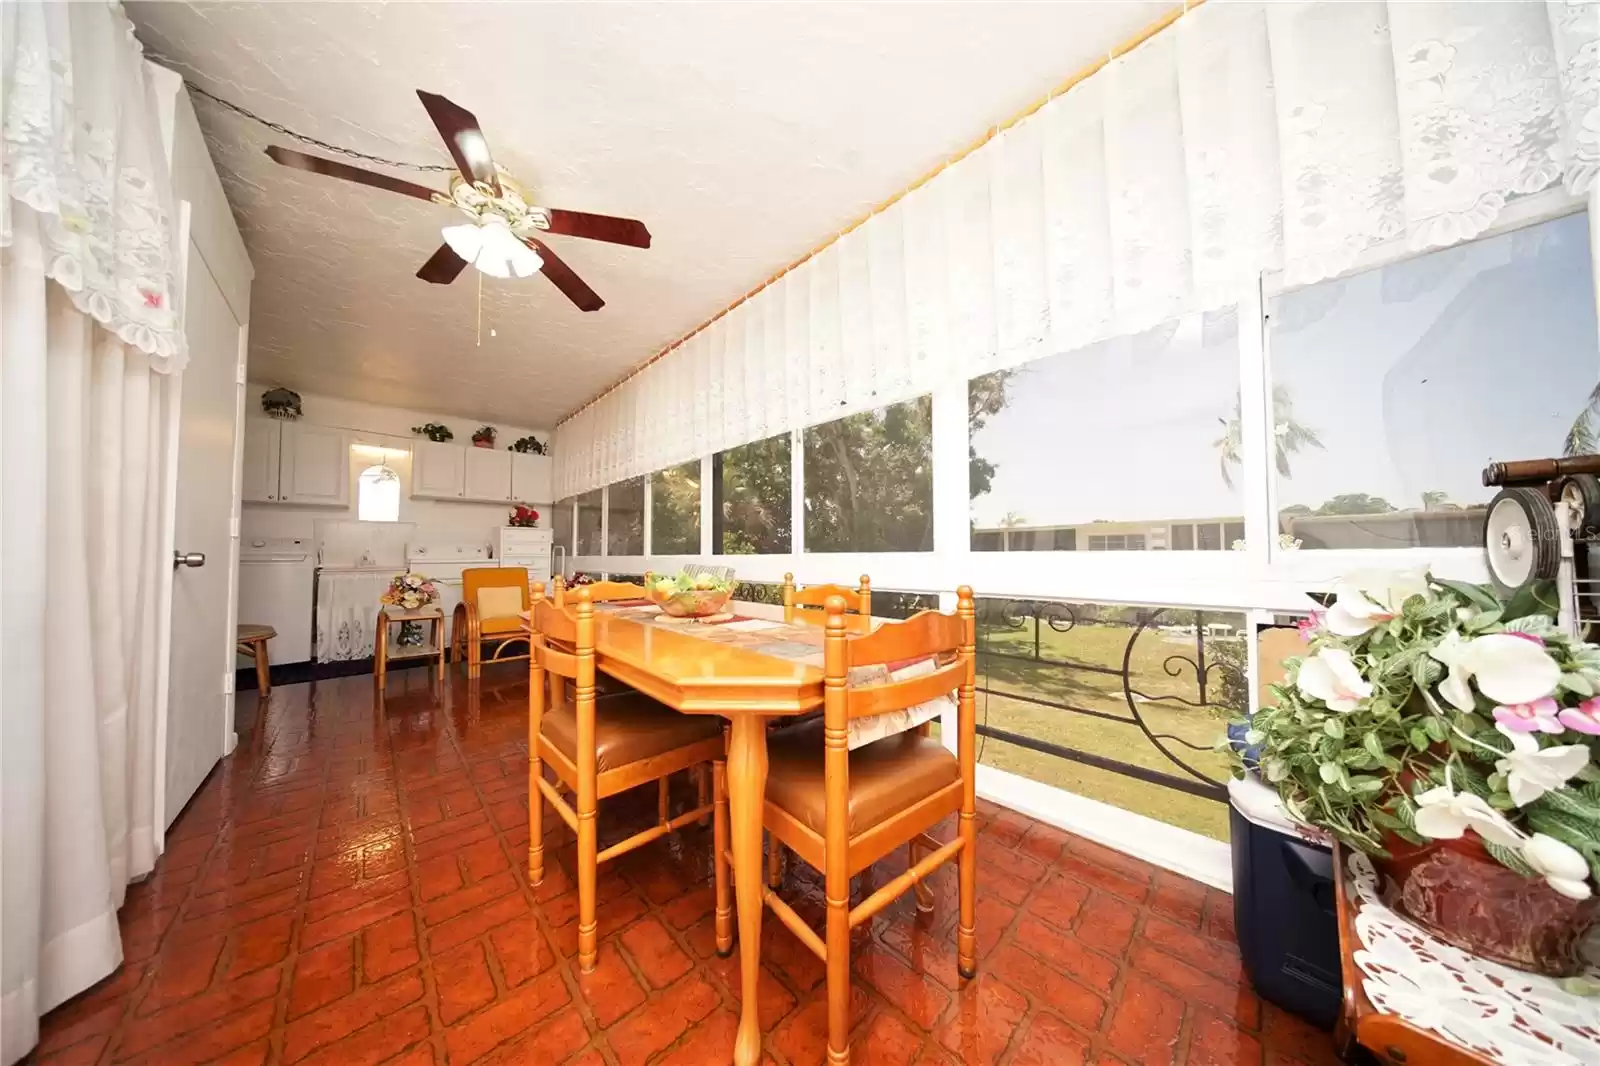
{"points": [[262, 440], [286, 462], [488, 475], [531, 478], [315, 467], [438, 471]]}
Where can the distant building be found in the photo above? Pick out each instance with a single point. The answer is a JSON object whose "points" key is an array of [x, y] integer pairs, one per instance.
{"points": [[1450, 526], [1161, 534]]}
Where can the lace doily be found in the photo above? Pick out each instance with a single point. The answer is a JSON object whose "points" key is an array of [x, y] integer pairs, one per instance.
{"points": [[1504, 1015]]}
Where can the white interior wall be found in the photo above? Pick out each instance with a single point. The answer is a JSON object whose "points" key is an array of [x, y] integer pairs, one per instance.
{"points": [[386, 427]]}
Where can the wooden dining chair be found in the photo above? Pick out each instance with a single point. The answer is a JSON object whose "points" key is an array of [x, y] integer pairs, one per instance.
{"points": [[493, 599], [598, 748], [799, 603], [841, 810], [610, 591], [599, 591]]}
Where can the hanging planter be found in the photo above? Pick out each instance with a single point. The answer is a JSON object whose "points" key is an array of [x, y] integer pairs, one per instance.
{"points": [[484, 437], [281, 403]]}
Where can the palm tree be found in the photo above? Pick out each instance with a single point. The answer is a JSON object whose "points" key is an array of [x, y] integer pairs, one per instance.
{"points": [[1289, 435], [1432, 498], [1581, 438]]}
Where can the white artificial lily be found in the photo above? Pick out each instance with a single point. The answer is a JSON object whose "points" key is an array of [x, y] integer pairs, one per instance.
{"points": [[1509, 669], [1332, 677], [1531, 771], [1444, 814], [1562, 868], [1366, 600]]}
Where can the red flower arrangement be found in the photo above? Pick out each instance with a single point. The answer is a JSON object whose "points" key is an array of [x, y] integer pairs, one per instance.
{"points": [[523, 515]]}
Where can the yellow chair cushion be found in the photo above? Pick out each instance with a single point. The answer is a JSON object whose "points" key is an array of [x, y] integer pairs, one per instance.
{"points": [[498, 603], [490, 627]]}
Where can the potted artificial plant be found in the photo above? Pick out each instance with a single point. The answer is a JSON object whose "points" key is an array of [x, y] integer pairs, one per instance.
{"points": [[483, 437], [530, 444], [1453, 737], [437, 432]]}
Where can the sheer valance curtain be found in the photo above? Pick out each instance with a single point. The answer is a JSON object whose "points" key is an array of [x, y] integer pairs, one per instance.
{"points": [[90, 338], [1249, 137]]}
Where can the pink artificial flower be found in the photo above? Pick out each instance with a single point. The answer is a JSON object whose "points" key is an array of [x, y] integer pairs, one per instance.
{"points": [[152, 298], [1530, 637], [1309, 625], [1539, 716], [1584, 718]]}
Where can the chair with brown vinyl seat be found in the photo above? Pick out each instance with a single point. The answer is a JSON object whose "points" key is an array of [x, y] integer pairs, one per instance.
{"points": [[598, 748], [806, 604], [493, 599], [843, 810]]}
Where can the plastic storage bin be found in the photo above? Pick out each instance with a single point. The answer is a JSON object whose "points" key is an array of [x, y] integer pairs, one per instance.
{"points": [[1287, 918]]}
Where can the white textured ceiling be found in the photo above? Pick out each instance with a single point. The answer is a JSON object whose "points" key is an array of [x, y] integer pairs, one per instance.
{"points": [[742, 134]]}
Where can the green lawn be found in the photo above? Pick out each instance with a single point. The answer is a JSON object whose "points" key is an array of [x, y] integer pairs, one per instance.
{"points": [[1103, 644]]}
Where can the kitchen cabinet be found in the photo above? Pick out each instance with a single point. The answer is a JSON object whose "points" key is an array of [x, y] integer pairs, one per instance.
{"points": [[487, 475], [314, 466], [531, 477], [438, 470], [262, 440], [286, 462]]}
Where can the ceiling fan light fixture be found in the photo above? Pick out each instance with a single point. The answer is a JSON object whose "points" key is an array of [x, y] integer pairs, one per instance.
{"points": [[492, 248]]}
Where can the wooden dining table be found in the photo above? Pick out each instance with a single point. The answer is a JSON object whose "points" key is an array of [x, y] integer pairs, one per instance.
{"points": [[748, 686]]}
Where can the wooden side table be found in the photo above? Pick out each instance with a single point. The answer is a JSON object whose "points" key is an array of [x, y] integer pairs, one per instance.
{"points": [[1413, 1000], [434, 649]]}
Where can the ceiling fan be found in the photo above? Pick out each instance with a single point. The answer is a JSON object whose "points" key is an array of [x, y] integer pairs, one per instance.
{"points": [[502, 238]]}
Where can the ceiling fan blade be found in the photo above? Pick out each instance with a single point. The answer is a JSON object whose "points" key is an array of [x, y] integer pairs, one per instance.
{"points": [[629, 231], [467, 144], [318, 165], [561, 275], [442, 267]]}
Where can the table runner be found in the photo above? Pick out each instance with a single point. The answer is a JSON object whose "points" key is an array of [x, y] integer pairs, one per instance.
{"points": [[781, 640], [801, 644]]}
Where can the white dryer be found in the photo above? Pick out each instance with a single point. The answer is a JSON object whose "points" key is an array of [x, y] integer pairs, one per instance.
{"points": [[277, 576]]}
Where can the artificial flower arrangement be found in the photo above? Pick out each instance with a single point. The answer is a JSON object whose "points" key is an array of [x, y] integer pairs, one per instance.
{"points": [[411, 591], [1430, 711], [530, 444], [691, 596], [483, 436], [523, 516], [437, 432]]}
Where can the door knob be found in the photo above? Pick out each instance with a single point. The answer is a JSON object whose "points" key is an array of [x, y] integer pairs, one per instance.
{"points": [[188, 559]]}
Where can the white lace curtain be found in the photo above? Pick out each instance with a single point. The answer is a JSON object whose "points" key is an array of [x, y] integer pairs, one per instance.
{"points": [[83, 149], [89, 340], [1248, 137]]}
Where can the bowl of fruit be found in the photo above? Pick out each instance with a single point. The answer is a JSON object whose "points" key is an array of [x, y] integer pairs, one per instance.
{"points": [[687, 596]]}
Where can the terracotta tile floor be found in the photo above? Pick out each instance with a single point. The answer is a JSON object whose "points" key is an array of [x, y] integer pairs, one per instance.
{"points": [[350, 887]]}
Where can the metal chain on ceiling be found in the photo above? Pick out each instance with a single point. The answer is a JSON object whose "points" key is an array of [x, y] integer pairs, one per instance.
{"points": [[351, 153]]}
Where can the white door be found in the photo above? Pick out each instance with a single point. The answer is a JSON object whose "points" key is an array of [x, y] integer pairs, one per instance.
{"points": [[262, 438], [488, 475], [208, 426], [437, 470], [315, 467], [530, 478], [200, 692]]}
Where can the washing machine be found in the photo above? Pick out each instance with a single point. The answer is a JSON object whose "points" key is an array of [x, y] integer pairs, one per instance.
{"points": [[277, 578]]}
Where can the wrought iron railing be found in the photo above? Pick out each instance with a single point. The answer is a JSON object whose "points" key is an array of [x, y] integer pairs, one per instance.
{"points": [[1196, 670]]}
